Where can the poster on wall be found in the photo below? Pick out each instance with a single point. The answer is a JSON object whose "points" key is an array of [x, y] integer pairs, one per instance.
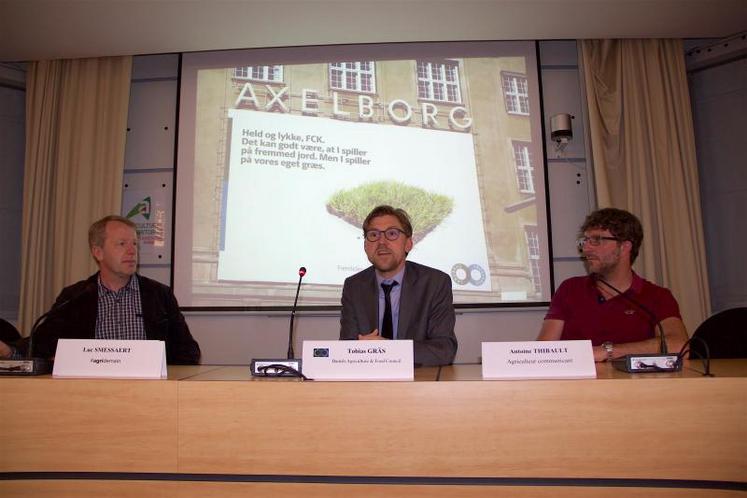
{"points": [[147, 209]]}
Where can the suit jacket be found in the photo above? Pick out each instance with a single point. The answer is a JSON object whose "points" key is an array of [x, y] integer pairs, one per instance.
{"points": [[76, 319], [426, 311]]}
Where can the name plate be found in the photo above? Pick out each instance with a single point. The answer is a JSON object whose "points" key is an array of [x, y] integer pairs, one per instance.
{"points": [[358, 360], [104, 358], [538, 360]]}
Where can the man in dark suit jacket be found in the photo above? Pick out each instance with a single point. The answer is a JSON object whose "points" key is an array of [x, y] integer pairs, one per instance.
{"points": [[161, 318], [420, 299], [116, 302]]}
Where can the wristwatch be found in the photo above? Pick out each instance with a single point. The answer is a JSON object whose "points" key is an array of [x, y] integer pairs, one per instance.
{"points": [[609, 347]]}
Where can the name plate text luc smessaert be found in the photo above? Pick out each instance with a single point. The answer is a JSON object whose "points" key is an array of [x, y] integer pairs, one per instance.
{"points": [[104, 358]]}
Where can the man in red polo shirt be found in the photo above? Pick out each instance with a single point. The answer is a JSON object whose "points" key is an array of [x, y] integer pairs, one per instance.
{"points": [[591, 307]]}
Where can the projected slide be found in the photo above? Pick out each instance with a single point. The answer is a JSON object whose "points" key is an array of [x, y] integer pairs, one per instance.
{"points": [[329, 171], [282, 153]]}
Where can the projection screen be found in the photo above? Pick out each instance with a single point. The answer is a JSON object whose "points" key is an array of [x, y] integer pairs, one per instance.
{"points": [[282, 153]]}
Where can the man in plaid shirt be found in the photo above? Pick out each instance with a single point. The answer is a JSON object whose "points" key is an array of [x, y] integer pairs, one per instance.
{"points": [[116, 302]]}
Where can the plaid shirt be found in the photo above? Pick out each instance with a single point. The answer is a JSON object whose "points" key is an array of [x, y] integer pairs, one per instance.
{"points": [[120, 313]]}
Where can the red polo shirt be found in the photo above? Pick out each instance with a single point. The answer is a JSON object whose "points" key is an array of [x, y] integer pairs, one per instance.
{"points": [[588, 315]]}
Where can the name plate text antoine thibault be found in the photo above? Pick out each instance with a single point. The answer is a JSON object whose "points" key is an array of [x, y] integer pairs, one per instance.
{"points": [[104, 358], [358, 360], [538, 360]]}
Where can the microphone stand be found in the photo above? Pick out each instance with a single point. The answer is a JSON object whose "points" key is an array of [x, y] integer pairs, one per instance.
{"points": [[288, 367], [301, 273]]}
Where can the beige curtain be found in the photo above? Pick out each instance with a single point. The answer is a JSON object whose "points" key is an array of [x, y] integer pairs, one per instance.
{"points": [[643, 149], [76, 120]]}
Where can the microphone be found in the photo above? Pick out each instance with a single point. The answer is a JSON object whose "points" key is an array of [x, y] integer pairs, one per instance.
{"points": [[301, 273], [39, 366], [632, 363], [288, 367]]}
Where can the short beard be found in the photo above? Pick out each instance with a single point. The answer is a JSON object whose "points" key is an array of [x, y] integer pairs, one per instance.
{"points": [[604, 270]]}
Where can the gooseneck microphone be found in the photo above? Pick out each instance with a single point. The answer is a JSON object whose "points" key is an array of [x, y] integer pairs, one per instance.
{"points": [[655, 324], [301, 273], [661, 362], [288, 367]]}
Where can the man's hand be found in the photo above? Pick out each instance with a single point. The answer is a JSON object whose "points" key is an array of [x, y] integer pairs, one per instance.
{"points": [[600, 354], [373, 336], [5, 351]]}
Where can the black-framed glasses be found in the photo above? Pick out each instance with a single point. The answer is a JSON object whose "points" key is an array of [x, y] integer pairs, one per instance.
{"points": [[389, 233], [593, 240]]}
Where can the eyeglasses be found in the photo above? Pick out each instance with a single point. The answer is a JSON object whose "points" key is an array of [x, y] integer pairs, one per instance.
{"points": [[389, 233], [594, 240]]}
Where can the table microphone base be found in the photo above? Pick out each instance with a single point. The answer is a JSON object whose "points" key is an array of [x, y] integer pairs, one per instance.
{"points": [[640, 363], [32, 366], [269, 368]]}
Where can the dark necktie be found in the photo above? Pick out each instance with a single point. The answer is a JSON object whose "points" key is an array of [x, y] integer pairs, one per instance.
{"points": [[387, 329]]}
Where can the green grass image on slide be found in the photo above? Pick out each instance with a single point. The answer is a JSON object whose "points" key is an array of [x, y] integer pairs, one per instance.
{"points": [[426, 210]]}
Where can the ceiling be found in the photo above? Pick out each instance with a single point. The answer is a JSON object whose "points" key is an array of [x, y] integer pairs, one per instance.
{"points": [[50, 29]]}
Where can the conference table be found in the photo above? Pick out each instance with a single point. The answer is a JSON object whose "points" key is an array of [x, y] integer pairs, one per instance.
{"points": [[217, 431]]}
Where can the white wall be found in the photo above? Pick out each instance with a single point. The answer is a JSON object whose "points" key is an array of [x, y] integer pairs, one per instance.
{"points": [[235, 338]]}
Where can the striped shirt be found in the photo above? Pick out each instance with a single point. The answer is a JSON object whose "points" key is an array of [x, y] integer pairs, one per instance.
{"points": [[120, 313]]}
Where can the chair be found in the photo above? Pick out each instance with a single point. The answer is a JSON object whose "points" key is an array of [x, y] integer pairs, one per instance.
{"points": [[725, 333], [8, 333]]}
